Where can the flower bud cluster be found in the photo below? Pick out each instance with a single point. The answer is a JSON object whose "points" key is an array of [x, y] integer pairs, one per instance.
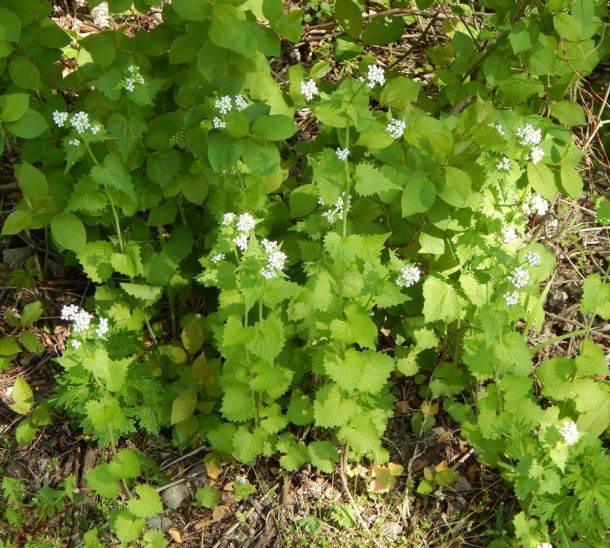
{"points": [[342, 153], [309, 90], [339, 211], [520, 277], [80, 121], [509, 234], [409, 275], [533, 258], [504, 164], [276, 259], [396, 128], [224, 105], [134, 79], [569, 432], [499, 128]]}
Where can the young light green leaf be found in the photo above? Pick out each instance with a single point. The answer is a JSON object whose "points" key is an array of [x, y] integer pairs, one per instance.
{"points": [[148, 505]]}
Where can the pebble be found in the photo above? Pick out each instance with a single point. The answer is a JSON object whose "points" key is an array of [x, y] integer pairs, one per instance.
{"points": [[174, 496]]}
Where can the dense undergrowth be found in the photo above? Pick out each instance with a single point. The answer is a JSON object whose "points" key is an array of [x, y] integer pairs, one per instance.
{"points": [[169, 169]]}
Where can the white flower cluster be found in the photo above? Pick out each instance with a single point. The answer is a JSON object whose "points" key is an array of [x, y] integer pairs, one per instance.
{"points": [[9, 392], [529, 136], [375, 76], [569, 432], [533, 258], [60, 118], [79, 121], [217, 258], [245, 224], [511, 297], [240, 103], [544, 545], [217, 123], [520, 277], [223, 104], [342, 206], [396, 128], [409, 275], [276, 259], [504, 164], [134, 79], [241, 479], [309, 89], [509, 234], [535, 204], [342, 153], [74, 142], [81, 321]]}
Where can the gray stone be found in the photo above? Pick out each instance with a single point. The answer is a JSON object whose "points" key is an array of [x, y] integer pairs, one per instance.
{"points": [[16, 256], [160, 522], [175, 495], [392, 528]]}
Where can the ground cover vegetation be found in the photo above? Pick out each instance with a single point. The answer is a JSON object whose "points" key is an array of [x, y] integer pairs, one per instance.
{"points": [[261, 290]]}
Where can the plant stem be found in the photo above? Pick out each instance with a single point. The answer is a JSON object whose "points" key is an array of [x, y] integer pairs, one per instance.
{"points": [[347, 185]]}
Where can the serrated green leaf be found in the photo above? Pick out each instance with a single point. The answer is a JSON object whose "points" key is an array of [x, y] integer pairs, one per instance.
{"points": [[126, 526], [237, 403], [323, 455], [266, 338], [332, 407], [441, 301], [125, 464], [102, 482], [247, 445], [148, 505], [207, 497], [591, 360], [369, 180]]}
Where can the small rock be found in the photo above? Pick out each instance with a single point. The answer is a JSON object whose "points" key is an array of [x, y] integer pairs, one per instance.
{"points": [[159, 522], [392, 528], [174, 496], [16, 256]]}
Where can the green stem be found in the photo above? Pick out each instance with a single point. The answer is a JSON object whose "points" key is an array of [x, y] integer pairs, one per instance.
{"points": [[554, 340], [117, 223], [347, 185]]}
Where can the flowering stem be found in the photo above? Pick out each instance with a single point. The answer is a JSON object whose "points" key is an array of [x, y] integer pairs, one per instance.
{"points": [[347, 185]]}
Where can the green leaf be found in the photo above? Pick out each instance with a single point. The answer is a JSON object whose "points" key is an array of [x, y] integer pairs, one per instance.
{"points": [[207, 497], [33, 183], [112, 174], [192, 10], [449, 380], [295, 453], [568, 113], [9, 346], [29, 126], [143, 292], [571, 181], [457, 187], [23, 397], [126, 130], [248, 445], [382, 30], [153, 538], [95, 259], [333, 408], [10, 26], [356, 328], [270, 379], [261, 158], [542, 180], [24, 73], [16, 221], [523, 36], [229, 30], [400, 92], [592, 359], [127, 527], [274, 127], [596, 297], [125, 464], [184, 406], [441, 301], [101, 48], [31, 342], [224, 151], [13, 105], [266, 338], [300, 411], [148, 505], [31, 313], [323, 455], [68, 231], [369, 180], [107, 419], [349, 16], [102, 482]]}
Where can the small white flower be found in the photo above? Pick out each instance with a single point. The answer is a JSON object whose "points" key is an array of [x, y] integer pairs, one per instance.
{"points": [[80, 121], [102, 327], [241, 479], [9, 392], [499, 128], [529, 136], [228, 219], [375, 76], [130, 85], [268, 274], [134, 78], [504, 164], [309, 89], [217, 123], [544, 545], [342, 153], [396, 128], [241, 242], [245, 223], [74, 142], [533, 258], [540, 205], [223, 105], [60, 118], [509, 235], [277, 260], [95, 129], [75, 344], [342, 206], [217, 258], [69, 312], [409, 275], [569, 432], [520, 277], [240, 103], [82, 321], [511, 297], [536, 155], [269, 245]]}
